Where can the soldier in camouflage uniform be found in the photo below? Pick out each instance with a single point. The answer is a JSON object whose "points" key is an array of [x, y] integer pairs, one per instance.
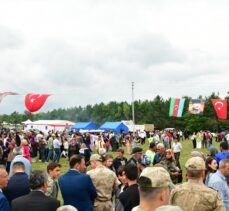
{"points": [[194, 195], [105, 182], [154, 186]]}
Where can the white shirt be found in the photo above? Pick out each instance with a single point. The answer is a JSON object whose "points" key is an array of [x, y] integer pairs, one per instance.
{"points": [[142, 134], [156, 138], [66, 145], [227, 137], [56, 144], [177, 147], [193, 137]]}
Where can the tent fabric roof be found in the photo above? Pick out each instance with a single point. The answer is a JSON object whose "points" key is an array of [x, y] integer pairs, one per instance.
{"points": [[85, 126], [115, 126], [111, 124]]}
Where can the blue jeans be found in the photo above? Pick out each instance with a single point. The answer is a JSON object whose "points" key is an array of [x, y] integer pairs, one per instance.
{"points": [[50, 155], [208, 143], [56, 156]]}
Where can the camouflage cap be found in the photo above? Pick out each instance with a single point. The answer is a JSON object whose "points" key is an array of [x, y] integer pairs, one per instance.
{"points": [[195, 163], [96, 157], [197, 154], [168, 208], [158, 176]]}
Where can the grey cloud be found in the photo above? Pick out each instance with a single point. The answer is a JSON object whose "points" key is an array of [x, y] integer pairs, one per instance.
{"points": [[64, 64], [74, 65], [9, 38], [199, 65], [153, 49]]}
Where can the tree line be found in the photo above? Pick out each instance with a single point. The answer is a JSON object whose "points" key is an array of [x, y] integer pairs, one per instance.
{"points": [[154, 111]]}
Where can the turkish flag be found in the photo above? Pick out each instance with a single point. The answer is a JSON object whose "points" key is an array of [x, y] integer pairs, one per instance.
{"points": [[34, 102], [220, 107]]}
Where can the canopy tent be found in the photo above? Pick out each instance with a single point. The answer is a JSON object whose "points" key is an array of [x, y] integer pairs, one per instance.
{"points": [[117, 127], [84, 126]]}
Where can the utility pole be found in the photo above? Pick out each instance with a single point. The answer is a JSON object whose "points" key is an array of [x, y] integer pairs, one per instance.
{"points": [[133, 119]]}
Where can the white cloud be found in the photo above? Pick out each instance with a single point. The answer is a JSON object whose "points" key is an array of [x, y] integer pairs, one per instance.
{"points": [[9, 39]]}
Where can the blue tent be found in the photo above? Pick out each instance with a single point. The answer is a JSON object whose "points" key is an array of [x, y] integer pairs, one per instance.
{"points": [[84, 126], [115, 126]]}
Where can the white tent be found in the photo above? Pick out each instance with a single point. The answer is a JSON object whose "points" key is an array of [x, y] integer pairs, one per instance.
{"points": [[47, 125]]}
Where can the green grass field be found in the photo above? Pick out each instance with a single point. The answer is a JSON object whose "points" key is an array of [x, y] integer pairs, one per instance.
{"points": [[185, 154]]}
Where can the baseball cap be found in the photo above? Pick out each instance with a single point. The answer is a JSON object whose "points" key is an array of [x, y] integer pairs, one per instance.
{"points": [[96, 157], [158, 176], [195, 163], [197, 154]]}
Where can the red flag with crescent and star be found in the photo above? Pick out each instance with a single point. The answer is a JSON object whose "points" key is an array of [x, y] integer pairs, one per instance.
{"points": [[220, 107], [34, 102]]}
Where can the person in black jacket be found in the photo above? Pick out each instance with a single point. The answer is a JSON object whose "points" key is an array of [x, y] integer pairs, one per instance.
{"points": [[114, 143], [36, 200], [18, 184], [123, 183], [74, 148], [130, 197]]}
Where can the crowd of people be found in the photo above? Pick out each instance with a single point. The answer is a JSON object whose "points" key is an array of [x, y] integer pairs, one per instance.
{"points": [[103, 181]]}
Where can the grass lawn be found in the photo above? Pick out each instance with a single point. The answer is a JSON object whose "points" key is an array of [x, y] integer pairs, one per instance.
{"points": [[185, 154]]}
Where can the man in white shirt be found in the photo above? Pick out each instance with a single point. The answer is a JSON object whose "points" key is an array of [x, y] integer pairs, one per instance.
{"points": [[57, 151], [177, 147], [156, 138]]}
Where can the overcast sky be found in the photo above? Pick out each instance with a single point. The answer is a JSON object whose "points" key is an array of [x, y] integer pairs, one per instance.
{"points": [[89, 51]]}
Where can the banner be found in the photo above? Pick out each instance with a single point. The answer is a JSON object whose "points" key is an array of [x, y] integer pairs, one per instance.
{"points": [[220, 107], [176, 107], [196, 106]]}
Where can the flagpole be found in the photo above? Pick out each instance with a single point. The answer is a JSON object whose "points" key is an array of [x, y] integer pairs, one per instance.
{"points": [[133, 119]]}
